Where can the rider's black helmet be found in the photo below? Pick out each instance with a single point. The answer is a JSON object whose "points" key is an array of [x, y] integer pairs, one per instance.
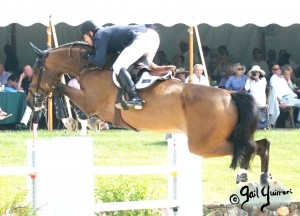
{"points": [[86, 27]]}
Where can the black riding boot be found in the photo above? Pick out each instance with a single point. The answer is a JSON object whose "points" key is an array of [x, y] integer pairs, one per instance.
{"points": [[134, 100], [60, 110]]}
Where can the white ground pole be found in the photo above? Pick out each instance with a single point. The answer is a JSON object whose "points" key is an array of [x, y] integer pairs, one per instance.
{"points": [[64, 181], [188, 180]]}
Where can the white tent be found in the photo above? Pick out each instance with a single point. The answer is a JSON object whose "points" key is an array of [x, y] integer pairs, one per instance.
{"points": [[166, 12], [233, 23]]}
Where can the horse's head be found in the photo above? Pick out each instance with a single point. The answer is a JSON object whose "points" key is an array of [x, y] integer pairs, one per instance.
{"points": [[49, 67]]}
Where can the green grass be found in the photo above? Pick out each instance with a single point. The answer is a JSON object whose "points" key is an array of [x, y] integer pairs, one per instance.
{"points": [[120, 147]]}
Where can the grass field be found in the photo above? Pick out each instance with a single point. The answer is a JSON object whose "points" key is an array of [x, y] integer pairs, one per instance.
{"points": [[121, 147]]}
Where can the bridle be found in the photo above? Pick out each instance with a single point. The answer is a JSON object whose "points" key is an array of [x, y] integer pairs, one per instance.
{"points": [[41, 94]]}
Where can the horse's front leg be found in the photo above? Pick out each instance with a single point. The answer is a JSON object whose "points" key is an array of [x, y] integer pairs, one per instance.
{"points": [[262, 150], [75, 95]]}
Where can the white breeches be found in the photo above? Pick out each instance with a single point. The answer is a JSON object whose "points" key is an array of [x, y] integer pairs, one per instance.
{"points": [[145, 44]]}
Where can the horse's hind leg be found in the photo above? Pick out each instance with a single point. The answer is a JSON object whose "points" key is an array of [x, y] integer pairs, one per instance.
{"points": [[244, 166], [262, 149]]}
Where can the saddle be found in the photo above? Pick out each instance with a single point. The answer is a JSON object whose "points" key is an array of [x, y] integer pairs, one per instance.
{"points": [[143, 77]]}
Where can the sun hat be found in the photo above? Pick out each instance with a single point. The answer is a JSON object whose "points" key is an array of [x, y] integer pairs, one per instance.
{"points": [[257, 68]]}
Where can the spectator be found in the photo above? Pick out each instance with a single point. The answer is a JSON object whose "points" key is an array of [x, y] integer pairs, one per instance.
{"points": [[237, 81], [285, 58], [3, 75], [272, 59], [25, 79], [197, 77], [178, 63], [181, 76], [287, 73], [225, 77], [256, 84], [284, 94], [223, 60], [258, 60], [161, 58], [184, 49], [13, 82]]}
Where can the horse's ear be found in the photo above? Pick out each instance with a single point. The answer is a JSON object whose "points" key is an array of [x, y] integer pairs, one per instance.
{"points": [[37, 51]]}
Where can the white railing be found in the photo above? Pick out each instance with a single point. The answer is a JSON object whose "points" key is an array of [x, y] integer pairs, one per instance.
{"points": [[61, 169]]}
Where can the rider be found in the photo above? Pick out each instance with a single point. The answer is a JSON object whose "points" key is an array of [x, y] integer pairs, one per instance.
{"points": [[131, 41]]}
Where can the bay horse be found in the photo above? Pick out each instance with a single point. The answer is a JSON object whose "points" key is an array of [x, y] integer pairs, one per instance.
{"points": [[217, 122]]}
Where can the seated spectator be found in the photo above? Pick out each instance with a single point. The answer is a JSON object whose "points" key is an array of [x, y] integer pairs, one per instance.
{"points": [[181, 76], [256, 84], [161, 58], [237, 81], [197, 77], [284, 94], [259, 60], [287, 72], [13, 82], [25, 80], [225, 77], [3, 75]]}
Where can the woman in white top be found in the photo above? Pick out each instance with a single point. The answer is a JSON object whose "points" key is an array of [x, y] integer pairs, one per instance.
{"points": [[256, 84], [197, 77]]}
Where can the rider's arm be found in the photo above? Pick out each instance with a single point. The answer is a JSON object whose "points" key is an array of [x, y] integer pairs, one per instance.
{"points": [[101, 44]]}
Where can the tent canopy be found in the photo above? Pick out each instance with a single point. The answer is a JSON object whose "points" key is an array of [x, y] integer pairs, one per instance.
{"points": [[165, 12]]}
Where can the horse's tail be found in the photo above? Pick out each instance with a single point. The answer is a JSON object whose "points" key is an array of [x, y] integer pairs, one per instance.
{"points": [[243, 133]]}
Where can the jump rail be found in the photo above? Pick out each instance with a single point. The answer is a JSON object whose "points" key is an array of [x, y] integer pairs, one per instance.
{"points": [[61, 176]]}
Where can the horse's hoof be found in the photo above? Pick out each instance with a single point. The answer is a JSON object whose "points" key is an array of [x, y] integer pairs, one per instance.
{"points": [[265, 178], [241, 178]]}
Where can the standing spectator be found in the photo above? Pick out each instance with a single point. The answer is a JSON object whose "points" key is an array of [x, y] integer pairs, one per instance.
{"points": [[258, 60], [197, 77], [223, 60], [285, 58], [178, 63], [3, 75], [161, 58], [237, 81], [184, 49], [272, 59]]}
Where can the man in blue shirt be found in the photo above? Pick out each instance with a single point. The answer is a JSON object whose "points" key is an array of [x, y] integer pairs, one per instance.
{"points": [[131, 41]]}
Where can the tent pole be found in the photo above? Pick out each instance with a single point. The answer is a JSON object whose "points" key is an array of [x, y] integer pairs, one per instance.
{"points": [[191, 53], [201, 52], [63, 80], [50, 110]]}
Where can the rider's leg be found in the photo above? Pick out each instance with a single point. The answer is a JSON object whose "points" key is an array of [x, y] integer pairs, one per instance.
{"points": [[134, 100], [145, 44]]}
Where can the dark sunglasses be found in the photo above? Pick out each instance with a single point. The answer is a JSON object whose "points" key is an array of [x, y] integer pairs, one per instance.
{"points": [[240, 69], [276, 68]]}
